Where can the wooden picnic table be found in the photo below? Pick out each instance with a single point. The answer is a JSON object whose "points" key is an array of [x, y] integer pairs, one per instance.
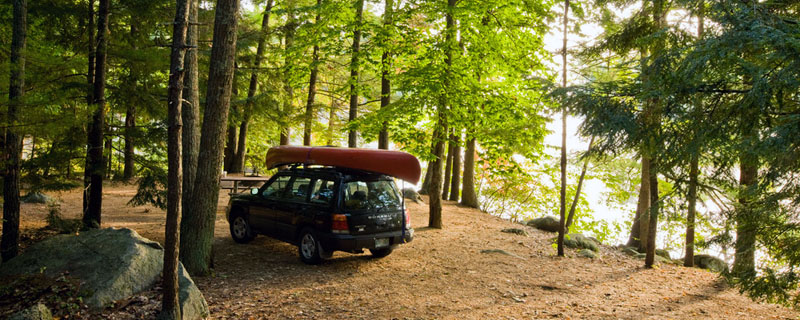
{"points": [[237, 179]]}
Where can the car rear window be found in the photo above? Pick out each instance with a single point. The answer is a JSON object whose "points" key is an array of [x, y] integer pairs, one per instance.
{"points": [[376, 195]]}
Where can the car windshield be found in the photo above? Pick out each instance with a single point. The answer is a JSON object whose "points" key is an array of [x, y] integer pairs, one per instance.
{"points": [[377, 195]]}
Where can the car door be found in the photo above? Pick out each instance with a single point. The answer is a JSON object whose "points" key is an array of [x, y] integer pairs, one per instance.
{"points": [[263, 210], [289, 208]]}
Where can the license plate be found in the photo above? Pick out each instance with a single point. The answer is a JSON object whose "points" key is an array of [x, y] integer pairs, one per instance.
{"points": [[382, 242]]}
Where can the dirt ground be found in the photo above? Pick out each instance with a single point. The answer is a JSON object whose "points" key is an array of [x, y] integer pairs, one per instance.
{"points": [[442, 274]]}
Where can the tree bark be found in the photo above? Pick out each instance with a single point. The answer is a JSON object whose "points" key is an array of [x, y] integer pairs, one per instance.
{"points": [[440, 132], [435, 187], [577, 196], [455, 178], [241, 150], [744, 257], [469, 196], [95, 166], [688, 258], [312, 87], [90, 29], [170, 308], [130, 126], [331, 120], [9, 242], [352, 134], [448, 167], [639, 230], [190, 109], [426, 180], [386, 64], [197, 226], [563, 190], [653, 219], [288, 107], [231, 144]]}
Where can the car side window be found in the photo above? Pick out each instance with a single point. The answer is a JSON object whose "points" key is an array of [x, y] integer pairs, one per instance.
{"points": [[322, 192], [299, 190], [276, 189]]}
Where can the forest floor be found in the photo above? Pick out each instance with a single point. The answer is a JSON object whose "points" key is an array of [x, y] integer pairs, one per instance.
{"points": [[442, 274]]}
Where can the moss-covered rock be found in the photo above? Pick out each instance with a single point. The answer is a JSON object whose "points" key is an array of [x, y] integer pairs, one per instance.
{"points": [[579, 241], [586, 253], [546, 223], [663, 253]]}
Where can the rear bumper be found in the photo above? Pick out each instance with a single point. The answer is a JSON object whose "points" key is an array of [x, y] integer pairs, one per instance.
{"points": [[350, 243]]}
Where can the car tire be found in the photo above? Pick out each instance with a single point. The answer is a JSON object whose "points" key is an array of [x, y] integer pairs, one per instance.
{"points": [[241, 232], [380, 253], [309, 248]]}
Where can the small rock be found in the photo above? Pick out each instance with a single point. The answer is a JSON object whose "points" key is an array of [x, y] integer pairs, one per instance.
{"points": [[579, 241], [501, 252], [35, 312], [515, 231]]}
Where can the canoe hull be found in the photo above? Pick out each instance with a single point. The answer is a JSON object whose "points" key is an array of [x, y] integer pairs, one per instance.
{"points": [[394, 163]]}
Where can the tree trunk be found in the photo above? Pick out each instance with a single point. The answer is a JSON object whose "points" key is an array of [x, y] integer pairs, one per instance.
{"points": [[577, 196], [440, 132], [426, 180], [653, 219], [386, 63], [95, 166], [90, 29], [435, 187], [331, 120], [352, 134], [469, 196], [312, 88], [9, 243], [563, 191], [241, 151], [448, 167], [744, 258], [190, 109], [455, 178], [641, 221], [170, 308], [688, 258], [231, 144], [130, 126], [197, 226], [288, 107]]}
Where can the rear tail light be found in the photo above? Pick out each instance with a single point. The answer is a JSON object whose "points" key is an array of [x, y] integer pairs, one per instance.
{"points": [[408, 219], [339, 224]]}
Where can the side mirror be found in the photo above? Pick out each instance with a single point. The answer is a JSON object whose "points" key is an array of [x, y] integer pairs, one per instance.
{"points": [[254, 191]]}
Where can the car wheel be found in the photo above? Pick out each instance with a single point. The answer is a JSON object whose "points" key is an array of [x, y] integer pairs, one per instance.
{"points": [[240, 228], [309, 248], [380, 253]]}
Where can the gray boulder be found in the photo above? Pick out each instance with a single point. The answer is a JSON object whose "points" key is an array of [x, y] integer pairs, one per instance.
{"points": [[35, 197], [546, 223], [410, 193], [35, 312], [631, 251], [111, 264], [656, 258], [712, 263]]}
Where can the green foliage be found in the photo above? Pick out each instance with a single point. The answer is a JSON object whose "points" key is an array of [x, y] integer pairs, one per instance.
{"points": [[151, 189]]}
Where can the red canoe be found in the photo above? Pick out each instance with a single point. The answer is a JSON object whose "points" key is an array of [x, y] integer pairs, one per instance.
{"points": [[394, 163]]}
